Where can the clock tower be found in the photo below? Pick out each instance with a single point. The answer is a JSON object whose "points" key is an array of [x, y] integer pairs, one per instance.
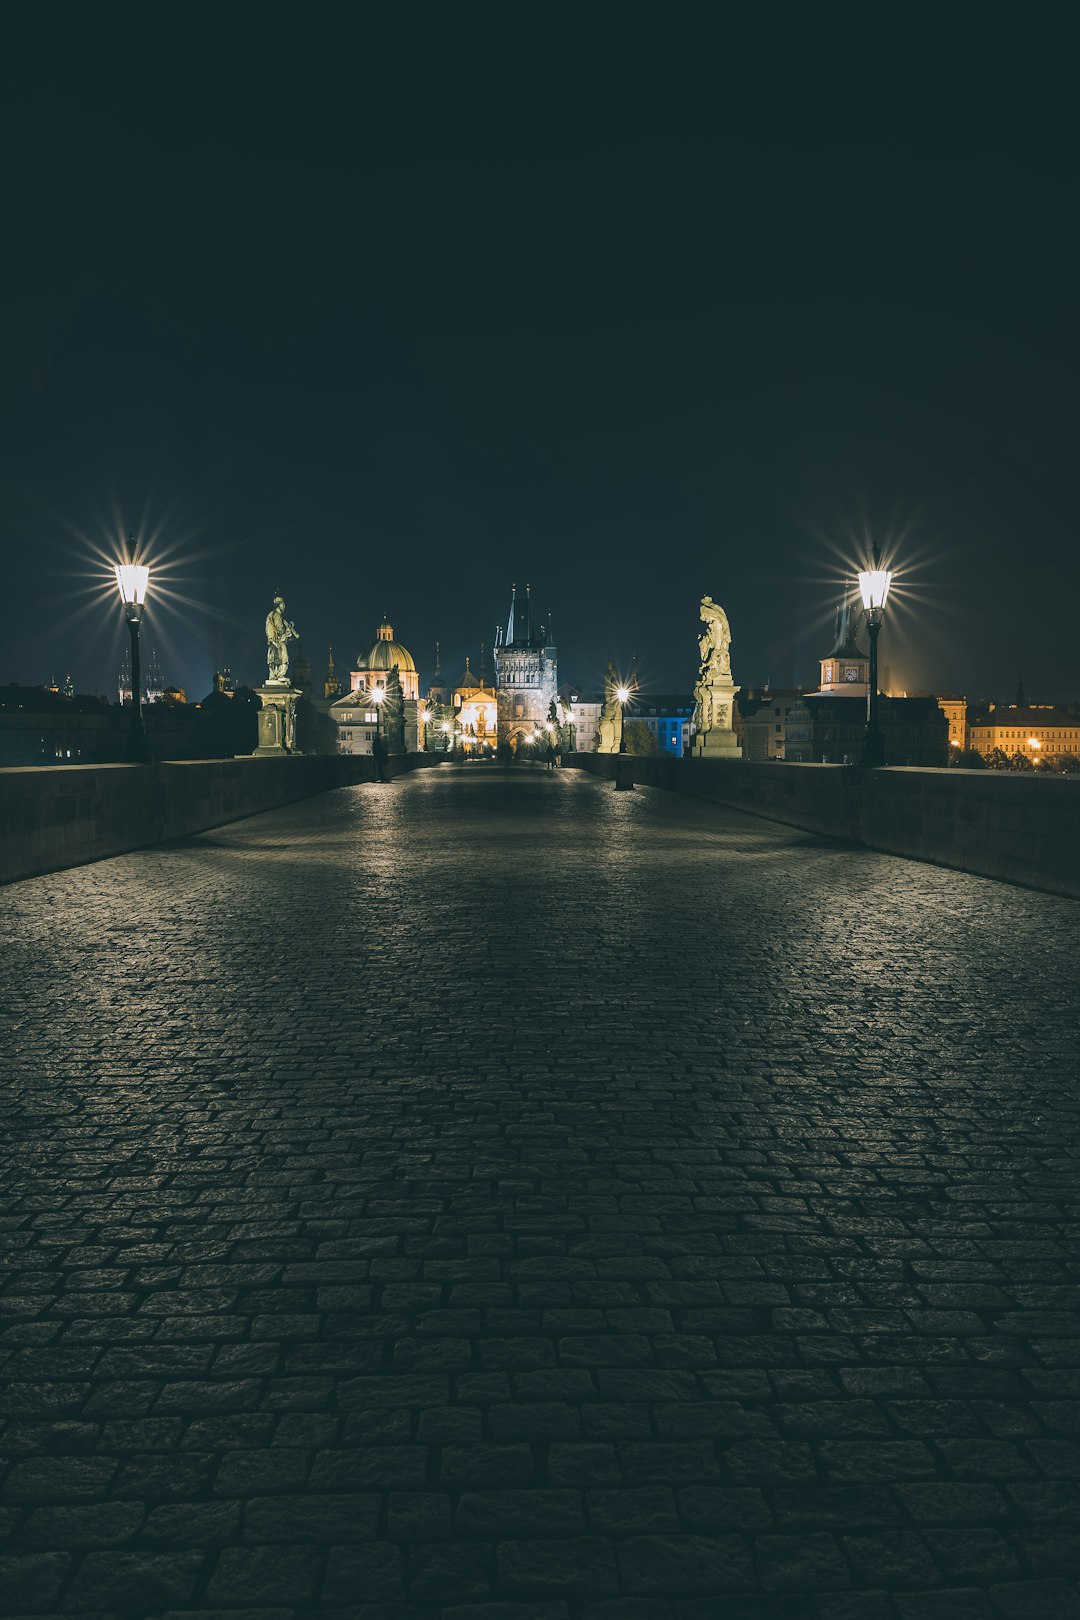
{"points": [[845, 671]]}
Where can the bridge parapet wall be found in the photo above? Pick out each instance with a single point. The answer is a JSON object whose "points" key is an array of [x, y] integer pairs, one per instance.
{"points": [[1021, 827], [64, 815]]}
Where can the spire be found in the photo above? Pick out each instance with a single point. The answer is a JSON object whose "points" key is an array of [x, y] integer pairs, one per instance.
{"points": [[330, 684], [510, 619], [526, 633], [846, 636], [438, 665], [483, 665], [550, 629]]}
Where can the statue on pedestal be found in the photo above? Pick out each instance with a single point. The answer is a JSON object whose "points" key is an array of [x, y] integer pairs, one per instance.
{"points": [[714, 694], [393, 714], [610, 715], [277, 716]]}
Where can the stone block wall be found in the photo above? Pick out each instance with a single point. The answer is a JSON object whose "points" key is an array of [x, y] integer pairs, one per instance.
{"points": [[57, 816]]}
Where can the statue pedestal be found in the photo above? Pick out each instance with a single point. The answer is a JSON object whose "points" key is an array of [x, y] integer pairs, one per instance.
{"points": [[716, 705], [277, 720], [715, 745], [608, 740]]}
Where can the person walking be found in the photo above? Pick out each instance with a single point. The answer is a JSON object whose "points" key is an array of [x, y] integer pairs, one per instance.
{"points": [[551, 756]]}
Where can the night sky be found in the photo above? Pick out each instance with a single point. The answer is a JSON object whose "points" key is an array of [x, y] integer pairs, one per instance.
{"points": [[387, 306]]}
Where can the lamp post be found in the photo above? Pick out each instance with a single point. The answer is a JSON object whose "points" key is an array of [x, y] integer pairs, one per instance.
{"points": [[623, 695], [874, 586], [378, 697], [131, 580], [567, 720]]}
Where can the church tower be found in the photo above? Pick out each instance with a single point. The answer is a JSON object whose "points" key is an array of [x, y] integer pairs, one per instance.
{"points": [[845, 671], [437, 692], [526, 671]]}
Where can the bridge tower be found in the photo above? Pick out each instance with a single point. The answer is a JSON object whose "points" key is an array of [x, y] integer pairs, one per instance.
{"points": [[526, 671]]}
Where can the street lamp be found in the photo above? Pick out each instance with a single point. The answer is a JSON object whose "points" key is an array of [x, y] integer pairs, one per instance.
{"points": [[566, 719], [378, 697], [131, 580], [874, 585], [623, 695]]}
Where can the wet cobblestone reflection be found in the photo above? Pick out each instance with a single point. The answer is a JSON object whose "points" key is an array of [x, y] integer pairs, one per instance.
{"points": [[491, 1196]]}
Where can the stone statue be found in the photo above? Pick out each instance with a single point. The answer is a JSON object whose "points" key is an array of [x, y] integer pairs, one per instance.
{"points": [[279, 632], [610, 715], [714, 694], [714, 642], [393, 714], [278, 698]]}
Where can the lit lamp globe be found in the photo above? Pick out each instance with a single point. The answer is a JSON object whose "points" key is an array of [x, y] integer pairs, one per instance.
{"points": [[131, 581], [874, 588]]}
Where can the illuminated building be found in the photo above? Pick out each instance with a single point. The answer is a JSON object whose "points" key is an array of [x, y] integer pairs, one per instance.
{"points": [[1034, 731], [670, 719], [475, 713], [526, 673], [581, 719], [384, 655], [356, 712]]}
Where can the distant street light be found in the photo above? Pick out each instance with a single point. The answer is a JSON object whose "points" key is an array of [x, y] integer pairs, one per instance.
{"points": [[623, 695], [874, 585], [566, 720], [378, 697], [132, 579]]}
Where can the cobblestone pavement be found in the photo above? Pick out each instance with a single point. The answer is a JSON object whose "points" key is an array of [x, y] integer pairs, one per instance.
{"points": [[493, 1197]]}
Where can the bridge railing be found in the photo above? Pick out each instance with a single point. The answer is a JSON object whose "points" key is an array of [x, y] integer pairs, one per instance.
{"points": [[64, 815]]}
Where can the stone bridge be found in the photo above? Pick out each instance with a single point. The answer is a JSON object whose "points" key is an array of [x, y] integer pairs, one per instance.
{"points": [[488, 1196]]}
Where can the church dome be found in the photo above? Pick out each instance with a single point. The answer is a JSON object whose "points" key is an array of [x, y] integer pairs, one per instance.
{"points": [[387, 654]]}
